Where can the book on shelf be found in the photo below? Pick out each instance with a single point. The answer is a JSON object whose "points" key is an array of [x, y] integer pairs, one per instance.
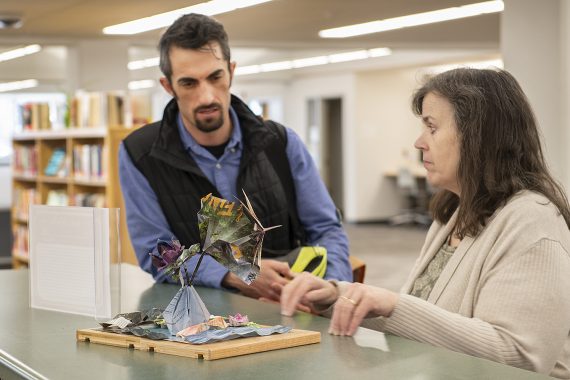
{"points": [[35, 116], [20, 241], [57, 198], [23, 198], [90, 200], [89, 162], [25, 160], [96, 109], [56, 164]]}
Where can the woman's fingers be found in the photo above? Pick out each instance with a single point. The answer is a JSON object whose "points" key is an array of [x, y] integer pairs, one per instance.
{"points": [[349, 311], [358, 302], [294, 291]]}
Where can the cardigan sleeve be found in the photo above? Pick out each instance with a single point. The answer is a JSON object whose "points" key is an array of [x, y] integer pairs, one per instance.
{"points": [[521, 316]]}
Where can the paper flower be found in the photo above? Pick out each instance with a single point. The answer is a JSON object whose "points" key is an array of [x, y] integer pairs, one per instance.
{"points": [[167, 253], [238, 320]]}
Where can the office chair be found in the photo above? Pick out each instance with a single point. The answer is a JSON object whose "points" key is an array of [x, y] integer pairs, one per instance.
{"points": [[416, 198]]}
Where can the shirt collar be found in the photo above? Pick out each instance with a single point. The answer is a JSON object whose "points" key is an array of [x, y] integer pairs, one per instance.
{"points": [[191, 145]]}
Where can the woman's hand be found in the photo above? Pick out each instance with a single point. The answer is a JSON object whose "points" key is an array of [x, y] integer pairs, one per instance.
{"points": [[306, 289], [360, 301]]}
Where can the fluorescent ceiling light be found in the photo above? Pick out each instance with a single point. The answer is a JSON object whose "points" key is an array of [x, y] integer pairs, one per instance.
{"points": [[276, 66], [140, 84], [18, 85], [414, 20], [247, 70], [21, 52], [312, 61], [350, 56], [143, 63], [285, 65], [161, 20], [379, 52]]}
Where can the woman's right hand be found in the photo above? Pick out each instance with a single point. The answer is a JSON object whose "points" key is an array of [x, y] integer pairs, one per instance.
{"points": [[307, 289]]}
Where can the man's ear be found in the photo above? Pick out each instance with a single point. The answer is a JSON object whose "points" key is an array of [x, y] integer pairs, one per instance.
{"points": [[165, 83], [231, 67]]}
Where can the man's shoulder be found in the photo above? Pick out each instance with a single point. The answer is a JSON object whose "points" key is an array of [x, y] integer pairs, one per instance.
{"points": [[139, 142], [278, 129]]}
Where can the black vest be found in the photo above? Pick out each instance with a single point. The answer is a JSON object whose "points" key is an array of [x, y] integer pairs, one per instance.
{"points": [[179, 184]]}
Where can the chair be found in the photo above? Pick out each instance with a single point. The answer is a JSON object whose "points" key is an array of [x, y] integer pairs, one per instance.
{"points": [[358, 269], [415, 212]]}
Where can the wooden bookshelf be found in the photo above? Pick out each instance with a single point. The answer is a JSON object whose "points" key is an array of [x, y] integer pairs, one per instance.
{"points": [[88, 173]]}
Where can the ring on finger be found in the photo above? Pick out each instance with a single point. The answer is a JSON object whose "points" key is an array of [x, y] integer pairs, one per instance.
{"points": [[349, 300]]}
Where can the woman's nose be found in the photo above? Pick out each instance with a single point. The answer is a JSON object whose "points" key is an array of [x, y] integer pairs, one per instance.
{"points": [[419, 144]]}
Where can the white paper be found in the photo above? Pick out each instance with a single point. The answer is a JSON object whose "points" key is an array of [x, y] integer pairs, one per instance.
{"points": [[70, 260], [371, 339]]}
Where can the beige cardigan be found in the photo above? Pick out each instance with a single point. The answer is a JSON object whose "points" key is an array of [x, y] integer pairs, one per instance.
{"points": [[503, 296]]}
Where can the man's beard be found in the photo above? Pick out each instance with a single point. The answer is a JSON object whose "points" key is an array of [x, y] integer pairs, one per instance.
{"points": [[209, 124]]}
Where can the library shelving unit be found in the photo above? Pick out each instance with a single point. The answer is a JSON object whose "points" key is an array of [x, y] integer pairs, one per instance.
{"points": [[75, 167]]}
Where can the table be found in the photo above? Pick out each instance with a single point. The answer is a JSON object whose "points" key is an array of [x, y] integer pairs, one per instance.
{"points": [[38, 344]]}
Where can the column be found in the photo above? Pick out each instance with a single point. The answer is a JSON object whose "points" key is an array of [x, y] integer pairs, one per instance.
{"points": [[534, 45]]}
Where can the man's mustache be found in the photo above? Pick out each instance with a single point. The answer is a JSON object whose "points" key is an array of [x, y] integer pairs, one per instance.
{"points": [[208, 107]]}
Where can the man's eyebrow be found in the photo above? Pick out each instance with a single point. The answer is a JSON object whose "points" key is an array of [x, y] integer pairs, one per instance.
{"points": [[186, 80], [216, 73], [427, 118]]}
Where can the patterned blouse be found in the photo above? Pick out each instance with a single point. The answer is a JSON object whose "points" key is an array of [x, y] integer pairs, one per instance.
{"points": [[425, 282]]}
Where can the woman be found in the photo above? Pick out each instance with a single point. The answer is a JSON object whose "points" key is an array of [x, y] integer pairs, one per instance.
{"points": [[493, 276]]}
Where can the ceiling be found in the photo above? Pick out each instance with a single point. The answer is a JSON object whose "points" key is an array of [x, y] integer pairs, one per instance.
{"points": [[280, 29], [279, 23]]}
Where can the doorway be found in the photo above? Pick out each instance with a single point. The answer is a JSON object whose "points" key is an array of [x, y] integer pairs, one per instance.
{"points": [[325, 143]]}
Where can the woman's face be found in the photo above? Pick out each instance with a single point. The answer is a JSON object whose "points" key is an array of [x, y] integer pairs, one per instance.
{"points": [[439, 143]]}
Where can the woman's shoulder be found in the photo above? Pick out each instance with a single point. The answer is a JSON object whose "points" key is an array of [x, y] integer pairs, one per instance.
{"points": [[528, 202], [532, 215]]}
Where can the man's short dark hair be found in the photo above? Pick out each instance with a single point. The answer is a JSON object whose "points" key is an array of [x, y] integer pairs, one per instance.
{"points": [[191, 31]]}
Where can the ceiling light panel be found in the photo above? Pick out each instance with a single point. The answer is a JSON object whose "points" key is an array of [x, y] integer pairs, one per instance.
{"points": [[414, 20], [162, 20]]}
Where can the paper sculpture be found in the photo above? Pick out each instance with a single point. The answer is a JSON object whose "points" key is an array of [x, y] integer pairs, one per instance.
{"points": [[232, 235]]}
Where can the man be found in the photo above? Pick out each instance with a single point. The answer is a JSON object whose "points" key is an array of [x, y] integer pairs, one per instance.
{"points": [[210, 142]]}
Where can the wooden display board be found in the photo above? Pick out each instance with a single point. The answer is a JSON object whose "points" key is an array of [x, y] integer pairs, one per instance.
{"points": [[209, 351]]}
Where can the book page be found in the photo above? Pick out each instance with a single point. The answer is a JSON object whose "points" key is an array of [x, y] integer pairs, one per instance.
{"points": [[69, 260]]}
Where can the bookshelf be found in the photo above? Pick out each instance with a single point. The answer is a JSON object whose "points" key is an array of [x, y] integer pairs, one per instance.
{"points": [[82, 170]]}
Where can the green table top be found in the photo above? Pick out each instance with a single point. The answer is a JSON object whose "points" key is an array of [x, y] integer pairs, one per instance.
{"points": [[41, 344]]}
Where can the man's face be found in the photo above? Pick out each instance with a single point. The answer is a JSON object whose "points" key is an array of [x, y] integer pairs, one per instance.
{"points": [[200, 82]]}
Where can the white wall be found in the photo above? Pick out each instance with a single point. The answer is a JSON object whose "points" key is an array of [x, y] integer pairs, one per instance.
{"points": [[6, 185], [271, 92], [384, 127], [342, 86], [565, 48]]}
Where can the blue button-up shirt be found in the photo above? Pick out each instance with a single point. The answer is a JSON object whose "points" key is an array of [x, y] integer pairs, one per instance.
{"points": [[146, 221]]}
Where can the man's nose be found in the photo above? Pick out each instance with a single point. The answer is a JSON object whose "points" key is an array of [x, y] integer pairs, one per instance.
{"points": [[206, 94]]}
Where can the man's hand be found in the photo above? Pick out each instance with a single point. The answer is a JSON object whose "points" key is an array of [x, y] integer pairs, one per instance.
{"points": [[272, 273]]}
